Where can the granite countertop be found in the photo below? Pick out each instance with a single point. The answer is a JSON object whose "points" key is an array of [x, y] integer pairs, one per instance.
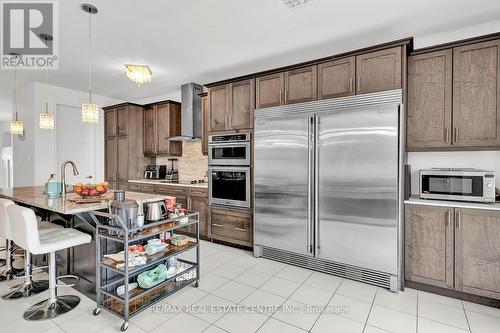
{"points": [[33, 196], [415, 200], [159, 182]]}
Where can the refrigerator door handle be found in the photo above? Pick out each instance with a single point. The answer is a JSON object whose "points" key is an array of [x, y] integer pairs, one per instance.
{"points": [[316, 184], [310, 141]]}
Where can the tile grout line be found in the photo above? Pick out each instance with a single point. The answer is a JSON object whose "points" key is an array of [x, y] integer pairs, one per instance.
{"points": [[371, 307], [334, 293], [466, 317], [287, 298]]}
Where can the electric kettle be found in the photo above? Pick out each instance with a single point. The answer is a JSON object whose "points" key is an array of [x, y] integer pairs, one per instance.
{"points": [[155, 211]]}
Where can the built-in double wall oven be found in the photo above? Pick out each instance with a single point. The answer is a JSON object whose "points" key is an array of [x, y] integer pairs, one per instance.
{"points": [[229, 172]]}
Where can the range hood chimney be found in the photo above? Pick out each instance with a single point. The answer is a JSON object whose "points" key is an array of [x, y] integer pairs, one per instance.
{"points": [[190, 113]]}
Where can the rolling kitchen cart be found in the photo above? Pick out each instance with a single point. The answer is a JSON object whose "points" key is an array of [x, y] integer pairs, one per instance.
{"points": [[110, 274]]}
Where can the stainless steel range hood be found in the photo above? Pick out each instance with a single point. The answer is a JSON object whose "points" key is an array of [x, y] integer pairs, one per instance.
{"points": [[190, 113]]}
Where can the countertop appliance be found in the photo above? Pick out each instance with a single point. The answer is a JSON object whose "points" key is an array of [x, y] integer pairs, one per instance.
{"points": [[465, 184], [229, 172], [190, 113], [172, 174], [155, 211], [328, 186], [125, 208], [229, 149], [155, 171]]}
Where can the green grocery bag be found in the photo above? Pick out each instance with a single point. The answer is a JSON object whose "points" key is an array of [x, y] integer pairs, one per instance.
{"points": [[149, 279]]}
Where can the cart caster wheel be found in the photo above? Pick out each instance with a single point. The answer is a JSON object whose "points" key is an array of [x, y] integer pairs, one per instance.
{"points": [[96, 311], [124, 326], [196, 284]]}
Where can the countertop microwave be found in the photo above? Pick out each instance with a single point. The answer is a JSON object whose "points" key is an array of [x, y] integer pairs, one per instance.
{"points": [[458, 185]]}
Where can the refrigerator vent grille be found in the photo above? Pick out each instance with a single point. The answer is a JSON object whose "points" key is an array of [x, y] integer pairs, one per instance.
{"points": [[325, 266], [329, 105]]}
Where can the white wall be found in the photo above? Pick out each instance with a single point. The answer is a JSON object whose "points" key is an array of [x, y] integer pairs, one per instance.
{"points": [[35, 156]]}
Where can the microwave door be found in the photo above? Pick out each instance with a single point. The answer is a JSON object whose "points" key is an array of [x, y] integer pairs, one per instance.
{"points": [[466, 187]]}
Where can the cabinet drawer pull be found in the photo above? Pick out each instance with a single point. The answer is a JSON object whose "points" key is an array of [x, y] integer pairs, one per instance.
{"points": [[240, 229], [217, 225]]}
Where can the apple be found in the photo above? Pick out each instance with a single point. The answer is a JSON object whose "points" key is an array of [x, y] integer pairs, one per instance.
{"points": [[84, 192], [93, 192]]}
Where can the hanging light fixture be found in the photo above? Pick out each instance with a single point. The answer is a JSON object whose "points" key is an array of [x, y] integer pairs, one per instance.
{"points": [[16, 125], [140, 74], [47, 119], [90, 111]]}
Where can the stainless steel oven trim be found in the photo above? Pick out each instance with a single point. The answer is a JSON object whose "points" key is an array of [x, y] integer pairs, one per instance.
{"points": [[228, 161], [457, 172], [210, 138], [231, 203]]}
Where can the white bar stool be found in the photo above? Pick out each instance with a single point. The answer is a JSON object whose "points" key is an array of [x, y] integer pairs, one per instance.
{"points": [[29, 287], [25, 234]]}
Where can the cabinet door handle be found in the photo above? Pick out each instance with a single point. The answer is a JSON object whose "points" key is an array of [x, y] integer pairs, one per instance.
{"points": [[217, 225], [240, 229], [286, 95], [458, 220], [350, 84], [456, 134], [358, 84], [281, 97], [447, 134], [448, 219]]}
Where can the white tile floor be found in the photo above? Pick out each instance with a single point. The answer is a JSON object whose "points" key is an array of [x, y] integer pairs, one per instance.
{"points": [[232, 277]]}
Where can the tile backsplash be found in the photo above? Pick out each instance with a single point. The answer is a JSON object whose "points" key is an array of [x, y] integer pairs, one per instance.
{"points": [[192, 164]]}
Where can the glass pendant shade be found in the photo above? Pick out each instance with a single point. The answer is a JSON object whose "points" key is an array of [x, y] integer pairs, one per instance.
{"points": [[140, 74], [17, 127], [90, 113], [47, 120]]}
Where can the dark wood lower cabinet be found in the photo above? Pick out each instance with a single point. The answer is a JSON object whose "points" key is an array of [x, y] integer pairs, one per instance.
{"points": [[231, 225], [477, 252], [453, 248], [429, 245]]}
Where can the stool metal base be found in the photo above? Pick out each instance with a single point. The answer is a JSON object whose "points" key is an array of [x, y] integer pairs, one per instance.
{"points": [[9, 275], [27, 290], [50, 309]]}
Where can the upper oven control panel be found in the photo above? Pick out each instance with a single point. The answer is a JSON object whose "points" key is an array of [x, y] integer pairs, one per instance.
{"points": [[228, 138]]}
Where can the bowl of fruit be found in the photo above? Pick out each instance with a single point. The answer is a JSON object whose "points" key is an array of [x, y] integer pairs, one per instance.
{"points": [[91, 190]]}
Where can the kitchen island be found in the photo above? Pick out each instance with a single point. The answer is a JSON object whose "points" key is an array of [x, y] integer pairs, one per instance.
{"points": [[80, 260]]}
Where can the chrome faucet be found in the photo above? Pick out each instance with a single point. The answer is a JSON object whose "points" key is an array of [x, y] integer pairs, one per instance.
{"points": [[63, 174]]}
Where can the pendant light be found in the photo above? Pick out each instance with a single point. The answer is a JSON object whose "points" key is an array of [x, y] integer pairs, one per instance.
{"points": [[16, 125], [47, 119], [90, 111]]}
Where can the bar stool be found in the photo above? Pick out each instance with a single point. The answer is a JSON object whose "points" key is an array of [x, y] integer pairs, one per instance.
{"points": [[29, 287], [26, 235]]}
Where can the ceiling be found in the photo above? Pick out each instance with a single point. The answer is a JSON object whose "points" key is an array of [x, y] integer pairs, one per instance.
{"points": [[209, 40]]}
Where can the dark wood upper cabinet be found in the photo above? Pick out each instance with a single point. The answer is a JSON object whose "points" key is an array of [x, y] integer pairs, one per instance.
{"points": [[205, 119], [122, 120], [429, 245], [241, 105], [231, 106], [269, 90], [110, 122], [123, 130], [477, 252], [218, 100], [336, 78], [149, 127], [162, 120], [476, 91], [378, 71], [301, 85], [430, 100]]}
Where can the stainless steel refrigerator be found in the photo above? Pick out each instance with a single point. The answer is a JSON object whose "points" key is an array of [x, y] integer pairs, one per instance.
{"points": [[328, 187]]}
